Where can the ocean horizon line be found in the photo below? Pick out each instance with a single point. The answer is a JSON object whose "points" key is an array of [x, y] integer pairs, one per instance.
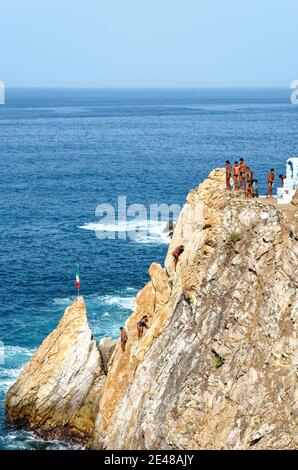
{"points": [[230, 87]]}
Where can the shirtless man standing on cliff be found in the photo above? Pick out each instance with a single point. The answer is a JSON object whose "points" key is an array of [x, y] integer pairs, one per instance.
{"points": [[242, 172], [248, 185], [176, 253], [236, 175], [123, 338], [228, 175], [270, 180], [282, 179]]}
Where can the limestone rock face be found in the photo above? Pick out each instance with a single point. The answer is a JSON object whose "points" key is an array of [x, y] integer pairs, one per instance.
{"points": [[217, 369], [57, 392], [124, 370]]}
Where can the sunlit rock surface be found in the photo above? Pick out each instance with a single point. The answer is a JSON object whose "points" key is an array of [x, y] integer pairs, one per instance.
{"points": [[58, 391], [217, 367]]}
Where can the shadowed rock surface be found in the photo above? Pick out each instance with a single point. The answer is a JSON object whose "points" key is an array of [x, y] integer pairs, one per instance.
{"points": [[217, 368], [106, 348]]}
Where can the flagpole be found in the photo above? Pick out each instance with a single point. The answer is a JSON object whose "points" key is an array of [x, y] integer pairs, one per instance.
{"points": [[78, 282]]}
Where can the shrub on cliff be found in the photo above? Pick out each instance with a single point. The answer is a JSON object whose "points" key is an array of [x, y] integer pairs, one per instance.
{"points": [[233, 238]]}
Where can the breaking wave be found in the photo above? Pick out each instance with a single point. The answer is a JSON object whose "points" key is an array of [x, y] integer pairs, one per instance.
{"points": [[144, 231]]}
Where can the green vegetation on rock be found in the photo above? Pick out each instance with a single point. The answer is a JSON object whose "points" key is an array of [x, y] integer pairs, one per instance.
{"points": [[233, 238]]}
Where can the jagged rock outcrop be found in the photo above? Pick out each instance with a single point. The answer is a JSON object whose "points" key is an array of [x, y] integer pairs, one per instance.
{"points": [[58, 391], [153, 301], [217, 368]]}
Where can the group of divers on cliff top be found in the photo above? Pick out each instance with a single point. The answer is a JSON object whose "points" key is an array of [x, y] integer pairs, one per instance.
{"points": [[240, 177]]}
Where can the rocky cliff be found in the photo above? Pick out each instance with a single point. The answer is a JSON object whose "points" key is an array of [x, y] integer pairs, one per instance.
{"points": [[217, 368], [58, 391]]}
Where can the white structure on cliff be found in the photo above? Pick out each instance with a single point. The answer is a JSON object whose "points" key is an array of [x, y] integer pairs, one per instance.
{"points": [[285, 194]]}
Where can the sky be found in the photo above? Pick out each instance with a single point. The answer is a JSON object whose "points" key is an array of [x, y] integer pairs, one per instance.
{"points": [[148, 43]]}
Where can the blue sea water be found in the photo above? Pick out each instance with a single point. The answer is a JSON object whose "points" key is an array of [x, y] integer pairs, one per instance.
{"points": [[65, 151]]}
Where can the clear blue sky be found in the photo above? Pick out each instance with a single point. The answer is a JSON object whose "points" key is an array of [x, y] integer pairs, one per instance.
{"points": [[127, 43]]}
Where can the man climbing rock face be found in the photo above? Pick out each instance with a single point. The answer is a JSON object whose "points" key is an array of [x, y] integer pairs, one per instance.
{"points": [[123, 338], [176, 253], [141, 325]]}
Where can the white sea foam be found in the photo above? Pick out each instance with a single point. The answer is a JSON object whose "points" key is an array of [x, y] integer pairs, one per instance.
{"points": [[8, 377], [11, 351], [26, 440], [63, 301], [157, 238], [13, 355], [11, 373], [144, 231], [5, 384], [123, 302]]}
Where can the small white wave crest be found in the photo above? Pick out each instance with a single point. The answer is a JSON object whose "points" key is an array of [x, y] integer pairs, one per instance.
{"points": [[11, 351], [123, 302], [142, 231]]}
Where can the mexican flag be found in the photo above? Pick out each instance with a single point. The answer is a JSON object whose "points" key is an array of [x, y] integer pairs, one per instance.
{"points": [[78, 282]]}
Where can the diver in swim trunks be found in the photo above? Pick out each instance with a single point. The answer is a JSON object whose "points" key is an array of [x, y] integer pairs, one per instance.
{"points": [[141, 325], [123, 338], [236, 171], [228, 175], [248, 185], [242, 172], [270, 180], [176, 253], [282, 179]]}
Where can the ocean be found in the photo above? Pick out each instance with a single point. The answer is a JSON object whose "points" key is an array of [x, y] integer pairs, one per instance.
{"points": [[64, 152]]}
